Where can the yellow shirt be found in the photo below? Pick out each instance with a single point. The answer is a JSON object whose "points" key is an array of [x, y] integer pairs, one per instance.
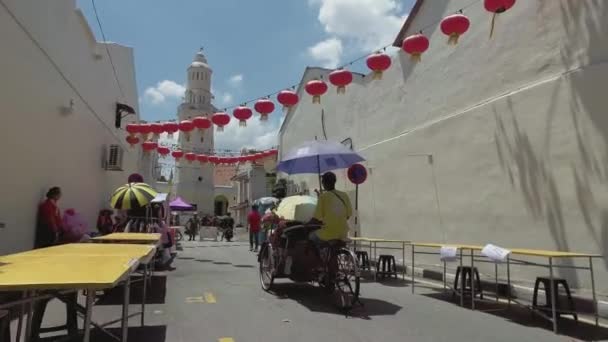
{"points": [[334, 214]]}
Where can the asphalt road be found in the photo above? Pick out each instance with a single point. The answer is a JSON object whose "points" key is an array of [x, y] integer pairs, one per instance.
{"points": [[214, 295]]}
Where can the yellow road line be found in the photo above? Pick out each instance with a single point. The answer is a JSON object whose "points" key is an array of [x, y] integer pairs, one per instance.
{"points": [[226, 339], [195, 300], [210, 298]]}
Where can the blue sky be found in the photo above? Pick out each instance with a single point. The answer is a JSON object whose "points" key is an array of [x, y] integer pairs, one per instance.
{"points": [[254, 47]]}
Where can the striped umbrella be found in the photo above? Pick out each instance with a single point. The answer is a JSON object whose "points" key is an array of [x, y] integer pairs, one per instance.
{"points": [[132, 195]]}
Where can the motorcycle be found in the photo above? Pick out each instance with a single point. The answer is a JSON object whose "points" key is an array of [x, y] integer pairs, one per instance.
{"points": [[228, 234]]}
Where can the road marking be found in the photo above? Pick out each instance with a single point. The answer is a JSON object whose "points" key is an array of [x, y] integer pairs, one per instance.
{"points": [[195, 300], [210, 298], [226, 339]]}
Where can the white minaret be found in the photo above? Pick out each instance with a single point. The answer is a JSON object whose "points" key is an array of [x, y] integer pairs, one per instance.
{"points": [[195, 182]]}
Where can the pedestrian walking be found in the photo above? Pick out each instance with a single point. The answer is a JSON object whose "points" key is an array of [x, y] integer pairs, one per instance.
{"points": [[253, 222]]}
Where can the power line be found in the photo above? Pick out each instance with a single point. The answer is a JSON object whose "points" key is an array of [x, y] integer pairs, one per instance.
{"points": [[358, 59], [105, 43], [58, 69]]}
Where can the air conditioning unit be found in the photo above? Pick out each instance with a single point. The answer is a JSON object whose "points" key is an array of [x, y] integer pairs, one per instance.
{"points": [[112, 158]]}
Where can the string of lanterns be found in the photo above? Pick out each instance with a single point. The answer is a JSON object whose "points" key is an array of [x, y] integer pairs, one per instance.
{"points": [[190, 157], [415, 45]]}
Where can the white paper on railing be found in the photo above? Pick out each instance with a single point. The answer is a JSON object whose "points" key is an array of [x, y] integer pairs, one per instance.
{"points": [[495, 253], [448, 253]]}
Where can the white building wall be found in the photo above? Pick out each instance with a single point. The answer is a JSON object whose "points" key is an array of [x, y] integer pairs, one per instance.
{"points": [[42, 146], [516, 124]]}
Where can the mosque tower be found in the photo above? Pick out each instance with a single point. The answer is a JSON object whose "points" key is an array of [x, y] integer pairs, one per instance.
{"points": [[195, 182]]}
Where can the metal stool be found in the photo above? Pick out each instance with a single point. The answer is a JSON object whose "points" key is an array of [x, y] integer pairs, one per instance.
{"points": [[386, 266], [363, 260], [546, 281], [467, 281], [5, 326]]}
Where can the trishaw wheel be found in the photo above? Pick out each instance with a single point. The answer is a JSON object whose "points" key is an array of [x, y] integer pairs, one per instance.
{"points": [[347, 280], [266, 268]]}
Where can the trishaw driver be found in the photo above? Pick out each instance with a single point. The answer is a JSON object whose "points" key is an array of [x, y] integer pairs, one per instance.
{"points": [[333, 211]]}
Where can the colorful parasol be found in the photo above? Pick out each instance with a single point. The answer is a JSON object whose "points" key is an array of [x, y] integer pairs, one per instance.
{"points": [[132, 195]]}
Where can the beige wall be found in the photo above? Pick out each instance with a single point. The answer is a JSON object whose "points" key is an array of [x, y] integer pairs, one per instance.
{"points": [[516, 124], [42, 146]]}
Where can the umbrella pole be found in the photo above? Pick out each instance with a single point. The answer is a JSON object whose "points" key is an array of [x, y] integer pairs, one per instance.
{"points": [[356, 208]]}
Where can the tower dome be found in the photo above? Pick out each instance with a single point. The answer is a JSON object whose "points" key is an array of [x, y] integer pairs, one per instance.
{"points": [[199, 60]]}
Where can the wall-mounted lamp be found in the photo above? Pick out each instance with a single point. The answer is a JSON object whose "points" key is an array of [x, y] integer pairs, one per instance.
{"points": [[122, 110], [67, 110]]}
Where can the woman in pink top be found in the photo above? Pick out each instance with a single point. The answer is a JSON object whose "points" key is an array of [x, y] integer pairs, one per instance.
{"points": [[254, 223]]}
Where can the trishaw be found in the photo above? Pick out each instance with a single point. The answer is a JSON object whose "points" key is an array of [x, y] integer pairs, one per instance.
{"points": [[290, 254]]}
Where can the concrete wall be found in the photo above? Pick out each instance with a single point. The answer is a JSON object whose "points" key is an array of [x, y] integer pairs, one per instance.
{"points": [[516, 125], [44, 147]]}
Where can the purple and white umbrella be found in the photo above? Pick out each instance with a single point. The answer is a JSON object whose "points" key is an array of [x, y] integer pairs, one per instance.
{"points": [[318, 156]]}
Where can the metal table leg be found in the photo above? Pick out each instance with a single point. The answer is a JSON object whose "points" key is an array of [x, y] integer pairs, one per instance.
{"points": [[595, 308], [508, 281], [413, 255], [445, 284], [87, 317], [553, 295], [20, 320], [143, 300], [30, 311], [125, 310], [496, 280], [403, 258], [472, 279], [462, 283]]}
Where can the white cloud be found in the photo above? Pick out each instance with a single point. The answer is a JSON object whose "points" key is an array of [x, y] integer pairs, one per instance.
{"points": [[258, 134], [236, 80], [362, 25], [222, 98], [163, 91], [328, 52]]}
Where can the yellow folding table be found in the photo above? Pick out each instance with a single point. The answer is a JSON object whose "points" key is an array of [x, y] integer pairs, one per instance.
{"points": [[133, 238], [373, 246], [34, 273], [459, 246], [551, 256], [143, 253]]}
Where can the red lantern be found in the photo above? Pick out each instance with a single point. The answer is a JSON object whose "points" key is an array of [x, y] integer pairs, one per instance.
{"points": [[132, 140], [202, 158], [186, 126], [190, 157], [201, 123], [378, 63], [220, 119], [170, 128], [163, 151], [454, 26], [149, 146], [177, 154], [497, 7], [242, 114], [288, 99], [416, 45], [132, 129], [341, 78], [316, 88], [145, 130], [264, 107], [156, 129]]}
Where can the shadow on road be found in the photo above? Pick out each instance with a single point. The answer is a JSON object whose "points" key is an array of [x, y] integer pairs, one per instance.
{"points": [[523, 316], [317, 300], [157, 290], [155, 333], [391, 282]]}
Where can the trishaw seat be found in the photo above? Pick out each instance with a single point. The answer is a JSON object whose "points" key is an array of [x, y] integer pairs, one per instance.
{"points": [[333, 243]]}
